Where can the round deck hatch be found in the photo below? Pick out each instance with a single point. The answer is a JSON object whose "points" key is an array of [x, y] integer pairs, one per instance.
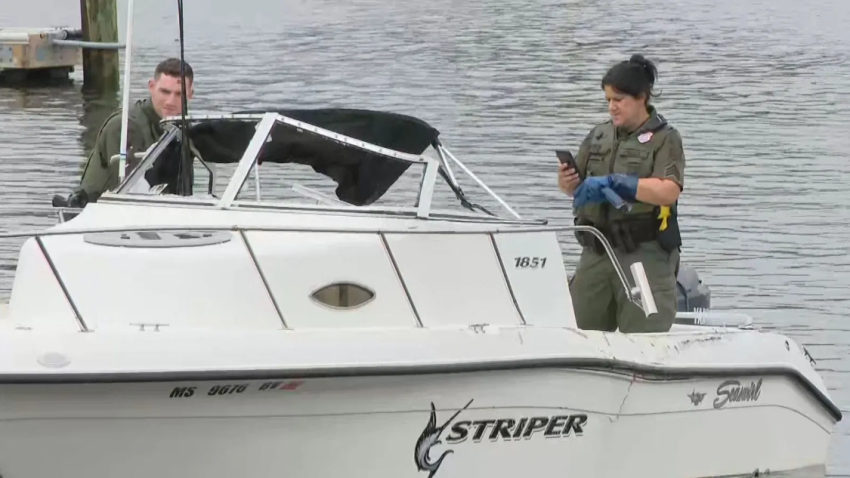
{"points": [[158, 238]]}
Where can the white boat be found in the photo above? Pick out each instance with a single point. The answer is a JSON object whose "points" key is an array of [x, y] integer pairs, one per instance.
{"points": [[162, 335]]}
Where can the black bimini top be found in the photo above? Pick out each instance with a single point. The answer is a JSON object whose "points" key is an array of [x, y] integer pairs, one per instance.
{"points": [[362, 176]]}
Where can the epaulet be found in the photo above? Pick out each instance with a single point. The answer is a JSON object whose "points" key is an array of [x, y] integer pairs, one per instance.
{"points": [[668, 128], [132, 114], [595, 131]]}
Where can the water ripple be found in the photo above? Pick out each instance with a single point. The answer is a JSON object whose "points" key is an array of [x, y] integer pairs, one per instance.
{"points": [[758, 90]]}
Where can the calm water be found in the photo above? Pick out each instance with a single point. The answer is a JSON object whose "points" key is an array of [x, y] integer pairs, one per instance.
{"points": [[758, 89]]}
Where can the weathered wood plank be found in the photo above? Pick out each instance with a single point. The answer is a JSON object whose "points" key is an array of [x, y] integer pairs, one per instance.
{"points": [[100, 24]]}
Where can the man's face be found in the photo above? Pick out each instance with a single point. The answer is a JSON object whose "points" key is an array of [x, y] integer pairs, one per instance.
{"points": [[165, 94]]}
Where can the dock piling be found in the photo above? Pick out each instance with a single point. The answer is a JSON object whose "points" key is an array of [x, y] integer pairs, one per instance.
{"points": [[100, 25]]}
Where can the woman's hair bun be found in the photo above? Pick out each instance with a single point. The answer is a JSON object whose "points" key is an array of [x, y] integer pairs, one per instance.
{"points": [[648, 66]]}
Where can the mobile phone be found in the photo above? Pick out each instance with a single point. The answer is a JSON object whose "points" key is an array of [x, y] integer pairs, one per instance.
{"points": [[566, 157]]}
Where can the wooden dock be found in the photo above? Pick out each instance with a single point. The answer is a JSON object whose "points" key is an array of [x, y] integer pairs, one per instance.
{"points": [[36, 53], [53, 53]]}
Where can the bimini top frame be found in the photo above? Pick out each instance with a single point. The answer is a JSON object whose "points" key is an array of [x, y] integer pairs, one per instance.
{"points": [[268, 121], [263, 134]]}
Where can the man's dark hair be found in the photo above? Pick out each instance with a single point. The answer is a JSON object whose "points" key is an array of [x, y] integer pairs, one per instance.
{"points": [[171, 67]]}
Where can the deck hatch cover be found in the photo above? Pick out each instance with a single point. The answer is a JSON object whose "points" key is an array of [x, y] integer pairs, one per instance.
{"points": [[146, 239]]}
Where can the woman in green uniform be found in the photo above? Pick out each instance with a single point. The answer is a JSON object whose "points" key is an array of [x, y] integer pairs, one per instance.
{"points": [[639, 156]]}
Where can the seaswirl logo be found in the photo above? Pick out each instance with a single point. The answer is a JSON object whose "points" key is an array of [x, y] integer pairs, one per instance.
{"points": [[430, 437], [732, 391]]}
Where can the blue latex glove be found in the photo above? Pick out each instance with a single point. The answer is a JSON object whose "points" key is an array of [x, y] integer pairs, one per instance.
{"points": [[625, 186], [590, 191], [593, 190]]}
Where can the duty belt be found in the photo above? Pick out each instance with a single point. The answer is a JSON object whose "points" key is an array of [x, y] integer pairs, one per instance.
{"points": [[624, 235]]}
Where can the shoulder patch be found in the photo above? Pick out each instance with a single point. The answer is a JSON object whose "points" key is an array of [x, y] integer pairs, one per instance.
{"points": [[645, 137], [672, 171]]}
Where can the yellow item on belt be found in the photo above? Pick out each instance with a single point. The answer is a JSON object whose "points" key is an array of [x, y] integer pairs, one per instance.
{"points": [[665, 213]]}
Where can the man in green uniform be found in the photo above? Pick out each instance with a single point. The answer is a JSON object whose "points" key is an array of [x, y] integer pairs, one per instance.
{"points": [[143, 130], [638, 156]]}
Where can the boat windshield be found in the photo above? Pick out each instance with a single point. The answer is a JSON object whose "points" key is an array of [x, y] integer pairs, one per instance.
{"points": [[329, 157]]}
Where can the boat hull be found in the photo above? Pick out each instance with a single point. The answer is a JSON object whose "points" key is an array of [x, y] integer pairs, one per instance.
{"points": [[537, 422]]}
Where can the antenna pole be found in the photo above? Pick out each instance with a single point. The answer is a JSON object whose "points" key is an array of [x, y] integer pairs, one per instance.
{"points": [[128, 54], [184, 157]]}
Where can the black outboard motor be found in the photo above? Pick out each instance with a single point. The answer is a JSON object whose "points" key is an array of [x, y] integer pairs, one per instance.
{"points": [[691, 293]]}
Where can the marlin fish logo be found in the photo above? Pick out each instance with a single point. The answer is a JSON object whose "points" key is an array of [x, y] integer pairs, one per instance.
{"points": [[430, 437]]}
